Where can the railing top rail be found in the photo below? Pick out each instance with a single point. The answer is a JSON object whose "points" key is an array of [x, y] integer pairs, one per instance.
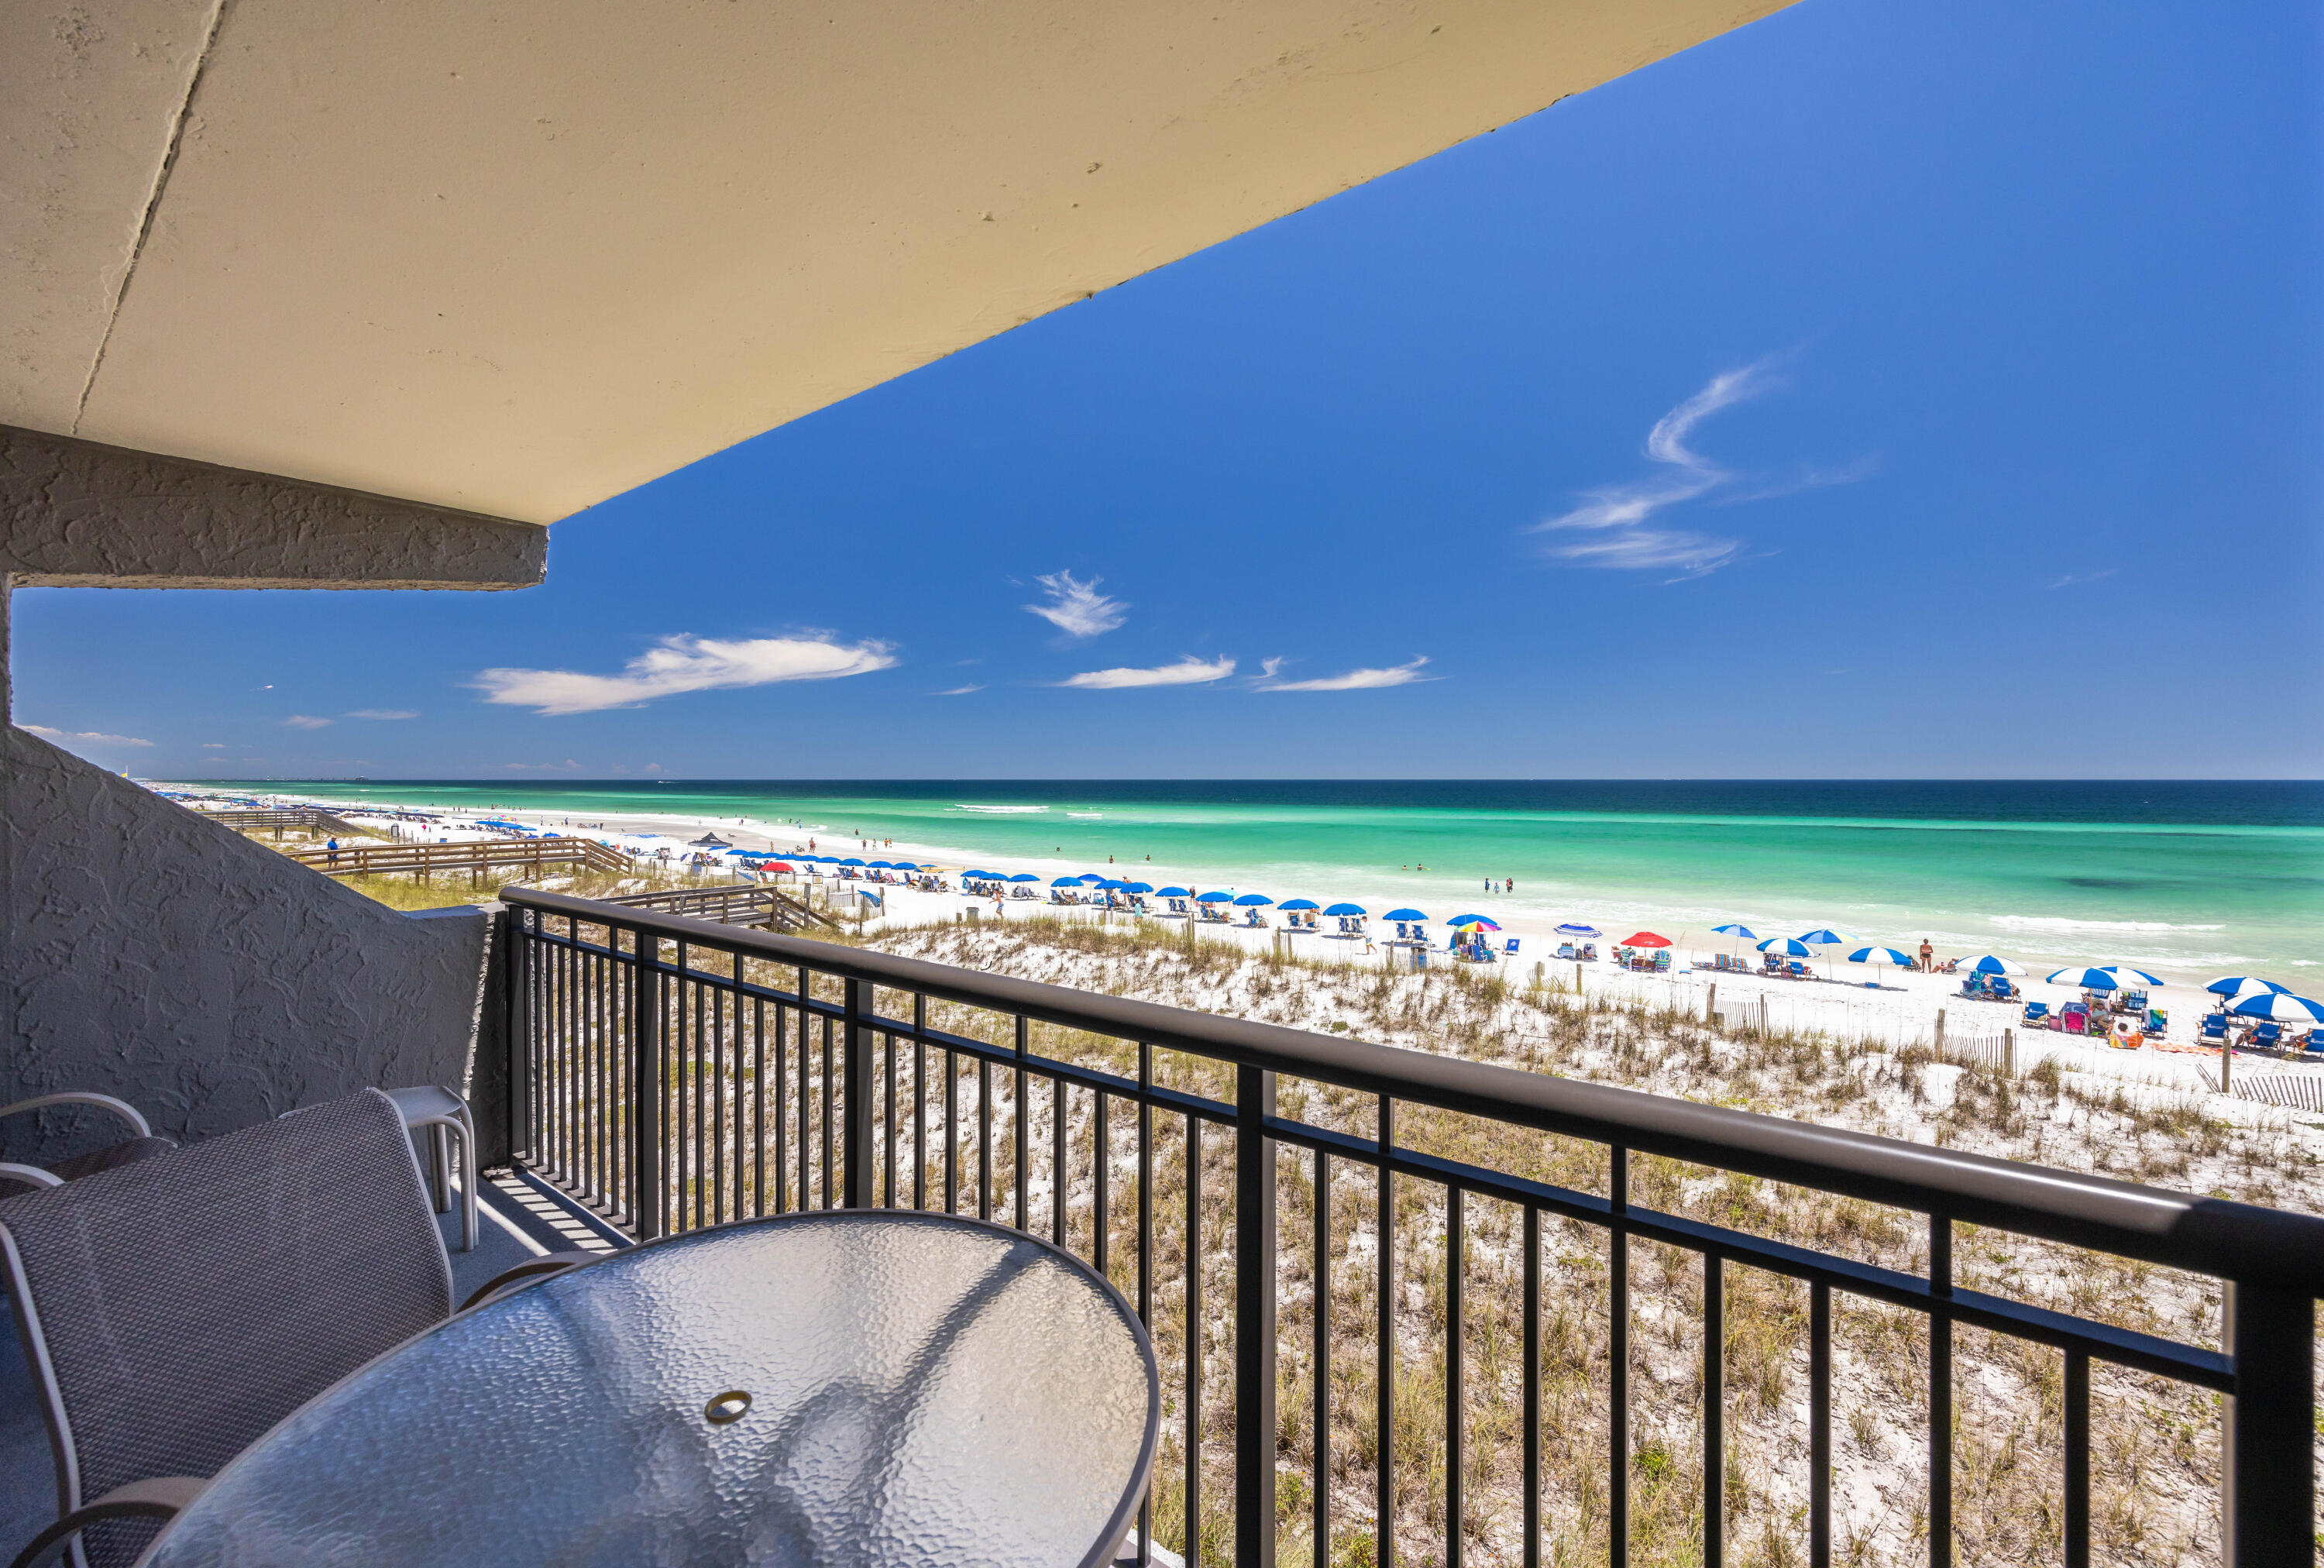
{"points": [[2241, 1241]]}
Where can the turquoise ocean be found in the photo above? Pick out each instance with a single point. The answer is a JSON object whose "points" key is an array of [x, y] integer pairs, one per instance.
{"points": [[2189, 879]]}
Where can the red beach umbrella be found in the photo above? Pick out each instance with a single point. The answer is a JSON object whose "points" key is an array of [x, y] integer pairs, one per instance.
{"points": [[1645, 939]]}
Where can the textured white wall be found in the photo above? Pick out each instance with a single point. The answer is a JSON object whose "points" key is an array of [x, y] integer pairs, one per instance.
{"points": [[202, 977]]}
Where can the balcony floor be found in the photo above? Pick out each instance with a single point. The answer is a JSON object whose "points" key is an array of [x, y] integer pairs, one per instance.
{"points": [[519, 1217]]}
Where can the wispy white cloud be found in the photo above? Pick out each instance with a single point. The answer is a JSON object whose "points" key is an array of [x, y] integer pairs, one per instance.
{"points": [[87, 737], [213, 745], [1187, 671], [957, 691], [307, 722], [1616, 521], [686, 663], [566, 766], [1076, 608], [382, 714], [1353, 680], [2075, 579]]}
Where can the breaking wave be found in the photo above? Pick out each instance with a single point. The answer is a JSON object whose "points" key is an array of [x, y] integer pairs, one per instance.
{"points": [[2059, 923], [1002, 810]]}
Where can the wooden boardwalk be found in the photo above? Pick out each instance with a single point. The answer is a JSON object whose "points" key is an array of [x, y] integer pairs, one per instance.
{"points": [[731, 904], [477, 857], [305, 818]]}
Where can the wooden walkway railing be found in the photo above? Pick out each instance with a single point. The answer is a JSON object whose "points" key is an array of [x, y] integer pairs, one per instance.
{"points": [[535, 854], [738, 904], [305, 818]]}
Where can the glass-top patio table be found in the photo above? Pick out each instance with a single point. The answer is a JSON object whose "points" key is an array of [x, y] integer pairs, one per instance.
{"points": [[865, 1387]]}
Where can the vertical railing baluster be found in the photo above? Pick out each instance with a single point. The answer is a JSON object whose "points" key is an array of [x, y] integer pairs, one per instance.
{"points": [[1455, 1247], [1192, 1551], [516, 930], [826, 1186], [1321, 1399], [1940, 1396], [693, 1141], [920, 1100], [855, 1154], [952, 1131], [2078, 1459], [1060, 1106], [645, 1126], [1714, 1411], [888, 1120], [1617, 1359], [1146, 1258], [1102, 1193], [983, 1137], [1022, 1119], [2269, 1474], [782, 1110], [717, 1137], [1530, 1457], [806, 1032], [1384, 1391], [1255, 1316], [1819, 1425], [757, 1108]]}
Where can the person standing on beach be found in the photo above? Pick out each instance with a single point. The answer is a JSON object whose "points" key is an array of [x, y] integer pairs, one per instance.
{"points": [[1928, 956]]}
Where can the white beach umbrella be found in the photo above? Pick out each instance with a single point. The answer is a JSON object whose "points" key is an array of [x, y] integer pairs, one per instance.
{"points": [[2281, 1006]]}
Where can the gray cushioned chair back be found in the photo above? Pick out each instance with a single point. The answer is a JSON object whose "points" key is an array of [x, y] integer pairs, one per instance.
{"points": [[187, 1302]]}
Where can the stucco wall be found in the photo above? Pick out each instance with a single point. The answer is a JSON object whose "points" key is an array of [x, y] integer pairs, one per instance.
{"points": [[202, 977]]}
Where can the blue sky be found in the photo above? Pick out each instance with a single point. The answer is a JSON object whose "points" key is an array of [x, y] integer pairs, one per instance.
{"points": [[1882, 389]]}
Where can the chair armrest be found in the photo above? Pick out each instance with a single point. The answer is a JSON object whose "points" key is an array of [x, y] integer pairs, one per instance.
{"points": [[121, 1107], [164, 1496], [529, 1269], [30, 1174]]}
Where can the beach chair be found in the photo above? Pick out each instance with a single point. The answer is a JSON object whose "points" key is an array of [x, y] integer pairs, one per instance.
{"points": [[1512, 948], [2077, 1018], [2001, 989], [1795, 971], [2037, 1016], [2215, 1029], [2267, 1037], [1661, 959], [1565, 950]]}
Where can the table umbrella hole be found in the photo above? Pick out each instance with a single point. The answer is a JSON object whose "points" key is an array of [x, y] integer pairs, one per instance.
{"points": [[727, 1408]]}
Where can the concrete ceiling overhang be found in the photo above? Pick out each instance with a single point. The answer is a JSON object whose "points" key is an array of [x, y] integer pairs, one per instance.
{"points": [[517, 257]]}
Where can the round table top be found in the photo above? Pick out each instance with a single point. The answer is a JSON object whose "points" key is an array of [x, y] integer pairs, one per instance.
{"points": [[867, 1387]]}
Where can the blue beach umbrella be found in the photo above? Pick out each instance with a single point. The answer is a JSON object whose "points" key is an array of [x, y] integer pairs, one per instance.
{"points": [[1571, 930], [1989, 963], [1299, 904], [1823, 936], [1137, 887], [1253, 901], [1788, 947], [2084, 979], [1174, 892], [1024, 877], [1745, 932], [1345, 910], [884, 865], [1066, 882], [1112, 885], [2232, 986], [1882, 956], [1458, 921], [851, 861], [905, 865], [2281, 1006], [1091, 877], [1404, 915], [1215, 899]]}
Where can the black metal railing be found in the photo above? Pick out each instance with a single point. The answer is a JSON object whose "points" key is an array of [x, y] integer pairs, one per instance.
{"points": [[678, 1074]]}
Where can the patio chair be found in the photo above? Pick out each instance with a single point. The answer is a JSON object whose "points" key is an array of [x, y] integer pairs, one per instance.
{"points": [[174, 1309], [17, 1178]]}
